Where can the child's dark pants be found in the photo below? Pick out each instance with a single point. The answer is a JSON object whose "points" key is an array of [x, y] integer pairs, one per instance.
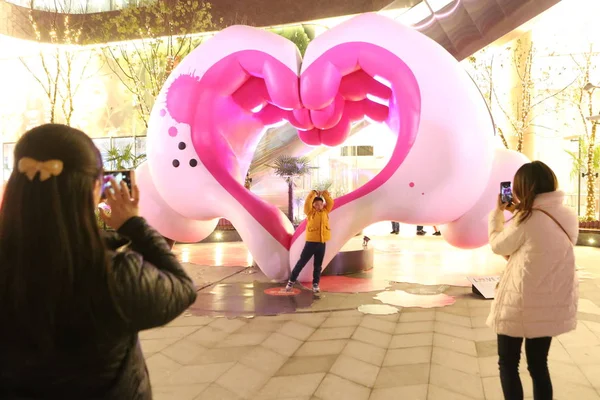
{"points": [[311, 249]]}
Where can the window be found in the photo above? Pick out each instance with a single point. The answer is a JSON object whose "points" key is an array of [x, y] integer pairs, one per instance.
{"points": [[122, 148], [8, 161], [103, 144], [140, 145], [109, 147], [359, 151]]}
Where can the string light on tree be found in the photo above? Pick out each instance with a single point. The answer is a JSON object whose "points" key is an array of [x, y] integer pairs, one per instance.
{"points": [[591, 175]]}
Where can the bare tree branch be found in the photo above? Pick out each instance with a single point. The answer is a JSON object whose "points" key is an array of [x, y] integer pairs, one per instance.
{"points": [[143, 66]]}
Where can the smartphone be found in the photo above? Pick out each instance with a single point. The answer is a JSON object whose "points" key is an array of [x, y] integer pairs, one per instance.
{"points": [[119, 176], [506, 192]]}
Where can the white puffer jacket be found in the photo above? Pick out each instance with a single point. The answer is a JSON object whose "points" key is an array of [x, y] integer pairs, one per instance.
{"points": [[538, 293]]}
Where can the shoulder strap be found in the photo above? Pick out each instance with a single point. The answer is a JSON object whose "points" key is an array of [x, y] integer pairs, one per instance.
{"points": [[555, 220]]}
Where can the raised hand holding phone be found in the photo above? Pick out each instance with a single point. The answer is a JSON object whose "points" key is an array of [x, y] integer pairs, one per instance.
{"points": [[123, 204], [119, 176]]}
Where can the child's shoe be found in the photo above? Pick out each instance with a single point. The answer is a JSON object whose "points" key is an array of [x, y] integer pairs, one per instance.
{"points": [[289, 286], [316, 289]]}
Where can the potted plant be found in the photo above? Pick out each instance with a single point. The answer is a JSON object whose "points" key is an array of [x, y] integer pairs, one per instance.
{"points": [[124, 158]]}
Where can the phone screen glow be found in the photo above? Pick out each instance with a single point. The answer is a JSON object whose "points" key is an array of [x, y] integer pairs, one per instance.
{"points": [[506, 193], [118, 176]]}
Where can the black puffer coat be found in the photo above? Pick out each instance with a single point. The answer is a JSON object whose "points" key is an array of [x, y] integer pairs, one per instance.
{"points": [[152, 289]]}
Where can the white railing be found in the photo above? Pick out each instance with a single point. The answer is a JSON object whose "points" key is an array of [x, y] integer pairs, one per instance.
{"points": [[77, 6]]}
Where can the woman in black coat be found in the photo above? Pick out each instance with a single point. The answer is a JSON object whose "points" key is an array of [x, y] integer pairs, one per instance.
{"points": [[73, 300]]}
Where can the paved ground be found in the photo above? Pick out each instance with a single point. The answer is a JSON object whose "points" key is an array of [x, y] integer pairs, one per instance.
{"points": [[315, 353]]}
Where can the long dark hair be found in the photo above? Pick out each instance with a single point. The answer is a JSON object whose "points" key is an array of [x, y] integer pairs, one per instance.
{"points": [[53, 261], [530, 180]]}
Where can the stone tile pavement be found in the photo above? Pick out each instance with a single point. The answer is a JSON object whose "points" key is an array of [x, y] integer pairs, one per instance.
{"points": [[435, 354]]}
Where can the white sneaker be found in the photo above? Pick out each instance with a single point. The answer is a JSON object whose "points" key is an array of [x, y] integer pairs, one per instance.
{"points": [[316, 289], [289, 286]]}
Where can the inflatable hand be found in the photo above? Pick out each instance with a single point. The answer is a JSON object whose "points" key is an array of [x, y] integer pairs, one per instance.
{"points": [[163, 218], [215, 106], [204, 129], [470, 230], [443, 155]]}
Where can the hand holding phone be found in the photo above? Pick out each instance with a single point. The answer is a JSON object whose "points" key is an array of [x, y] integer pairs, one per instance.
{"points": [[506, 195], [118, 177], [122, 204]]}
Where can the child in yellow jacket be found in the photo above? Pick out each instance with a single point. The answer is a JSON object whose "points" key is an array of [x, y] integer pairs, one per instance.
{"points": [[317, 208]]}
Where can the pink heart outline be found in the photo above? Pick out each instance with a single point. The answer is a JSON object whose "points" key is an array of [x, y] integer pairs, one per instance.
{"points": [[408, 104], [241, 68]]}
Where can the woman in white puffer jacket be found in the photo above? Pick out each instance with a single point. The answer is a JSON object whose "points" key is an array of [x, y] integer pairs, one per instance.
{"points": [[537, 296]]}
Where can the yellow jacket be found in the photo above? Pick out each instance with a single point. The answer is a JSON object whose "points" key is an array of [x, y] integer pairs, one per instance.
{"points": [[317, 222]]}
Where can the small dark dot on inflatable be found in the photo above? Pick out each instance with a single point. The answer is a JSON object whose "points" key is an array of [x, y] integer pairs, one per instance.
{"points": [[176, 163], [412, 184], [181, 146], [193, 163], [422, 194]]}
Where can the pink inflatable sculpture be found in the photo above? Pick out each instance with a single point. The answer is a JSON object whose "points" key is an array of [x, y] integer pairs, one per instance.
{"points": [[213, 109]]}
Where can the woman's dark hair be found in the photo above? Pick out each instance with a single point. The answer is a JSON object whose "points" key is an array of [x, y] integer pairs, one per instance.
{"points": [[318, 199], [53, 261], [530, 180]]}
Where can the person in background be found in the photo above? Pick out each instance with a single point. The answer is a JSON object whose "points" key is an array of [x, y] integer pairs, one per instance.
{"points": [[536, 298], [317, 211], [72, 298], [421, 231], [395, 228]]}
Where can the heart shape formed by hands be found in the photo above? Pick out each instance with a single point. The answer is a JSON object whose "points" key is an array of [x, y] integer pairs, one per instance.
{"points": [[215, 106]]}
